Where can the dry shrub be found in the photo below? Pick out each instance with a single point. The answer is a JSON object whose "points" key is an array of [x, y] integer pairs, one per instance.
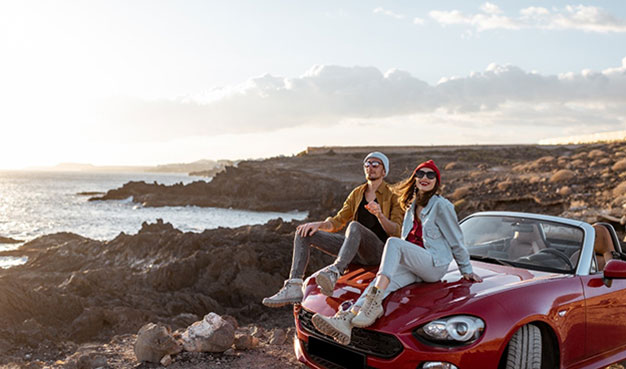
{"points": [[578, 163], [580, 155], [562, 175], [452, 165], [520, 168], [461, 192], [503, 186], [564, 191], [534, 179], [620, 166], [620, 190], [545, 159], [605, 161], [596, 154]]}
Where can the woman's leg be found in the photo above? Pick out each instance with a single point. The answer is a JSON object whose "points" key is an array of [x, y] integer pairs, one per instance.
{"points": [[403, 263]]}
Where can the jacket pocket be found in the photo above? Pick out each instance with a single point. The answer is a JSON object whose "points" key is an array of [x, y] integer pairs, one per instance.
{"points": [[433, 232]]}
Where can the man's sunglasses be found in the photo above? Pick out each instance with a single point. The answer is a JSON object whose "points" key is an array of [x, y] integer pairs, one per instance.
{"points": [[430, 175], [373, 164]]}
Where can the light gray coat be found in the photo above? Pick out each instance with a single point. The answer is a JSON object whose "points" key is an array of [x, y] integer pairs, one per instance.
{"points": [[442, 235]]}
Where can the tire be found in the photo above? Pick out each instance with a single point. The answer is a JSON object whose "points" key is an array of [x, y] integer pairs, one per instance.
{"points": [[524, 351]]}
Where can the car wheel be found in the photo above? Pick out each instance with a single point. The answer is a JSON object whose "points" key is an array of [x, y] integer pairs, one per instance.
{"points": [[524, 350]]}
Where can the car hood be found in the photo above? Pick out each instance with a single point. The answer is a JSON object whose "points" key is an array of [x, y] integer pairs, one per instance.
{"points": [[424, 300]]}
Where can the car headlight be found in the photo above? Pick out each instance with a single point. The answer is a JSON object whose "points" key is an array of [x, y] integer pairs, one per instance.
{"points": [[455, 330]]}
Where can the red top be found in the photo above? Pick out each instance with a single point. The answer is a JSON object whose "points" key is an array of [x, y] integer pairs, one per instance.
{"points": [[415, 236]]}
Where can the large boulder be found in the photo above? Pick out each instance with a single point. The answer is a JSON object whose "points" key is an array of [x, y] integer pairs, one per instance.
{"points": [[154, 341], [211, 334]]}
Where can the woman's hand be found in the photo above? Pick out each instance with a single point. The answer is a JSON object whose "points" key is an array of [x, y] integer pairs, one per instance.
{"points": [[473, 277]]}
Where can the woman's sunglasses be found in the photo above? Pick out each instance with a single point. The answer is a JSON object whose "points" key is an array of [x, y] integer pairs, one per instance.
{"points": [[430, 175]]}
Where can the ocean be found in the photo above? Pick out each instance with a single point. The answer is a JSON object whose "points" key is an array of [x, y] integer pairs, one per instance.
{"points": [[34, 204]]}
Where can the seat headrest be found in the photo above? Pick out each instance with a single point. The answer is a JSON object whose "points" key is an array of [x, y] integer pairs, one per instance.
{"points": [[603, 242]]}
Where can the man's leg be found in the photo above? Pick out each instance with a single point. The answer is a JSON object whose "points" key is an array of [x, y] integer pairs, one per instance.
{"points": [[291, 292], [330, 243], [361, 245]]}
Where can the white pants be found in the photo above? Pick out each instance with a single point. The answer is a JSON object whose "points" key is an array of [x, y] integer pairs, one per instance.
{"points": [[404, 263]]}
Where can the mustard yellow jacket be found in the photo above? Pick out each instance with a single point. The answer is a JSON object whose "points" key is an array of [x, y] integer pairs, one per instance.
{"points": [[386, 198]]}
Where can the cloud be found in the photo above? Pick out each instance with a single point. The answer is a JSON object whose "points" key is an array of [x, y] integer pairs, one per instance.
{"points": [[388, 13], [326, 95], [571, 17]]}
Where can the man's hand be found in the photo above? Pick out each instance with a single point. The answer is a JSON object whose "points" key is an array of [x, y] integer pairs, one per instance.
{"points": [[373, 208], [308, 229]]}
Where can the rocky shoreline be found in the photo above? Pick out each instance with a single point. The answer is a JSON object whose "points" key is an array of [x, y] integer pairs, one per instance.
{"points": [[79, 300], [580, 181]]}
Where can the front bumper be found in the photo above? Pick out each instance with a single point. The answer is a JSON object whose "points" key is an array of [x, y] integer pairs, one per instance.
{"points": [[324, 353]]}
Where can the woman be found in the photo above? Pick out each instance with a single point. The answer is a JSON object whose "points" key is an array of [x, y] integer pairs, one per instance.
{"points": [[431, 238]]}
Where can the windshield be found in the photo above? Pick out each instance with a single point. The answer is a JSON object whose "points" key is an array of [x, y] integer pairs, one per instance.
{"points": [[529, 243]]}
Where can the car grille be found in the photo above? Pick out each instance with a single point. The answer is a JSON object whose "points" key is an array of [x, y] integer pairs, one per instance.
{"points": [[363, 340]]}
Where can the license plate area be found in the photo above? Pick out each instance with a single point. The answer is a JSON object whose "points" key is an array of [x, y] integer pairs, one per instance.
{"points": [[336, 354]]}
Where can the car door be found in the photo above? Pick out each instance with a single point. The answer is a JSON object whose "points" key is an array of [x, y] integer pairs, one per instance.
{"points": [[605, 313]]}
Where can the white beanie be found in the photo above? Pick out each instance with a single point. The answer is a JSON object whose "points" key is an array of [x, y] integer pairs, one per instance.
{"points": [[382, 157]]}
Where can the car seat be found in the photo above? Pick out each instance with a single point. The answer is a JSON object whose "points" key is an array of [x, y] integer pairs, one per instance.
{"points": [[526, 241], [603, 246]]}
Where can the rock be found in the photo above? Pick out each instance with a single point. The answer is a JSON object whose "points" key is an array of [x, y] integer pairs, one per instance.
{"points": [[166, 360], [211, 334], [9, 240], [564, 191], [154, 341], [183, 320], [86, 357], [278, 337], [562, 176], [619, 166], [244, 341], [258, 332], [232, 320]]}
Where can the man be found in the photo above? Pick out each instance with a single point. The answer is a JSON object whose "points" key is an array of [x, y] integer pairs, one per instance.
{"points": [[373, 213]]}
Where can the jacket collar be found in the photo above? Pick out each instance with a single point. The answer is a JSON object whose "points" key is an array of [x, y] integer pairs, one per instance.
{"points": [[428, 207]]}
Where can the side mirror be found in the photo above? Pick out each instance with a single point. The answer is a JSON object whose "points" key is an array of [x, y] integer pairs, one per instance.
{"points": [[615, 269]]}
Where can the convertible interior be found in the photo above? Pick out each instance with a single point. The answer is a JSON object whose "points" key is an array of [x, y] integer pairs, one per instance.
{"points": [[534, 243]]}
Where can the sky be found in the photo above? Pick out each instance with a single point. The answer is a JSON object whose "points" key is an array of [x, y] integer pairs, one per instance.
{"points": [[150, 82]]}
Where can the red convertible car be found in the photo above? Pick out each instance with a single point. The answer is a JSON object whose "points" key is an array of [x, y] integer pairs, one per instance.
{"points": [[553, 296]]}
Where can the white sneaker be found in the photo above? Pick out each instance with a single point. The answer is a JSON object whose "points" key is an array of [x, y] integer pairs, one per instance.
{"points": [[338, 326], [291, 293], [371, 310], [326, 279]]}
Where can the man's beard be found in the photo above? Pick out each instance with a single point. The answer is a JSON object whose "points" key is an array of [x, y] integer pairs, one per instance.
{"points": [[371, 177]]}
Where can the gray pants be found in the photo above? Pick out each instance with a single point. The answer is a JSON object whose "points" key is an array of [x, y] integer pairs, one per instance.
{"points": [[404, 263], [359, 245]]}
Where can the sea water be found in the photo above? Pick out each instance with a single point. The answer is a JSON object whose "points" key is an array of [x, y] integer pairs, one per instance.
{"points": [[33, 204]]}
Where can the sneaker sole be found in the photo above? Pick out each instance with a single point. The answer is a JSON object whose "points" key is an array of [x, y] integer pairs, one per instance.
{"points": [[356, 323], [281, 303], [326, 286], [327, 329]]}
